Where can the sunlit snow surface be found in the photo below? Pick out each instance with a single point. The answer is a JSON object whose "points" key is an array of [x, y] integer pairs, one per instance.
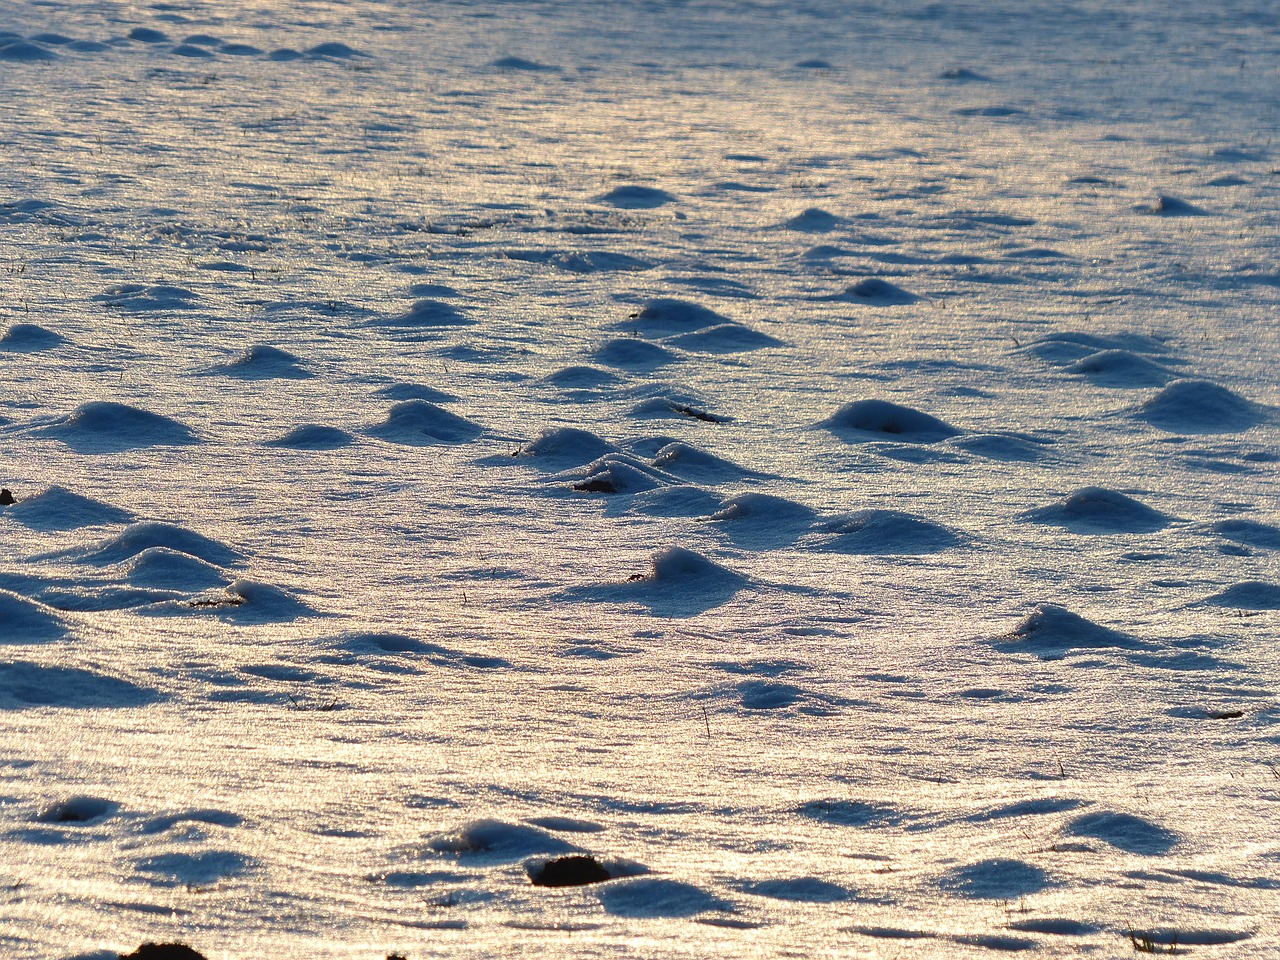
{"points": [[818, 459]]}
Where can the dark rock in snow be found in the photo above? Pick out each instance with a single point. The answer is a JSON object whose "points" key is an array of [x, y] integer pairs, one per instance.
{"points": [[6, 498], [163, 951], [573, 871]]}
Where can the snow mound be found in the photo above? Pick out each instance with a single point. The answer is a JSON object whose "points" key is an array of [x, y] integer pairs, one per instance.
{"points": [[242, 600], [1198, 406], [210, 816], [798, 890], [1069, 347], [724, 338], [1098, 510], [1121, 368], [1249, 532], [420, 423], [148, 35], [25, 621], [1248, 595], [678, 565], [80, 809], [166, 569], [1169, 206], [668, 317], [884, 532], [24, 685], [138, 537], [618, 473], [397, 392], [489, 841], [658, 897], [674, 408], [333, 50], [581, 378], [21, 51], [102, 426], [1050, 631], [876, 292], [814, 220], [396, 644], [29, 338], [566, 446], [264, 362], [761, 520], [633, 197], [427, 313], [520, 63], [628, 353], [693, 463], [59, 509], [1124, 831], [996, 879], [866, 420], [312, 436]]}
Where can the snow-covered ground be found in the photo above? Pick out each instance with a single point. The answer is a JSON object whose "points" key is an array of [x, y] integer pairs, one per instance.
{"points": [[817, 458]]}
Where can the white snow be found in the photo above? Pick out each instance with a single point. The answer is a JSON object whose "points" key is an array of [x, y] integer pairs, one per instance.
{"points": [[814, 463]]}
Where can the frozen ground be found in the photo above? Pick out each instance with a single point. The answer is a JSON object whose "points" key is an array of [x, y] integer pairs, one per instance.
{"points": [[817, 458]]}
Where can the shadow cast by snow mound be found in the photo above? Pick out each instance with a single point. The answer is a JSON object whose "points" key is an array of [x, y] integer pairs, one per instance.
{"points": [[679, 584], [24, 685], [889, 532], [102, 426], [996, 879], [419, 423], [57, 508], [1247, 595], [1050, 632], [181, 869], [635, 197], [1198, 406], [1124, 831], [724, 338], [1096, 510], [797, 890], [869, 420], [1252, 533], [696, 465], [26, 621], [651, 897]]}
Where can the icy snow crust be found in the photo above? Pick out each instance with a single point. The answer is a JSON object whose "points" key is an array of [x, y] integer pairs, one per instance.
{"points": [[815, 463]]}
